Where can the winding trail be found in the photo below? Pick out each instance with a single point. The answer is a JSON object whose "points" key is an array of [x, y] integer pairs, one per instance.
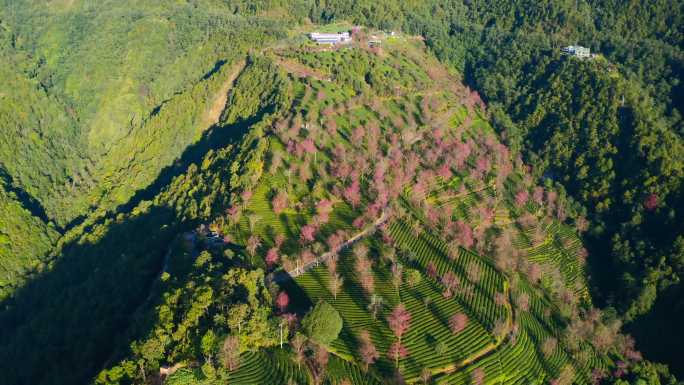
{"points": [[487, 350], [285, 275]]}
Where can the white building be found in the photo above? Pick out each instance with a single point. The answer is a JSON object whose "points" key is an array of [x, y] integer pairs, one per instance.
{"points": [[330, 38], [577, 50]]}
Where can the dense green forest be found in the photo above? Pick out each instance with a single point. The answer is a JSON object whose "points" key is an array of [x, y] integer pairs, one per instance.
{"points": [[121, 130], [96, 114], [106, 95]]}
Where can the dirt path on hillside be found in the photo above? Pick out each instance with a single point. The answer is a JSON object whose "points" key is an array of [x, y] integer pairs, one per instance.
{"points": [[212, 115], [325, 256], [287, 275], [487, 350], [166, 371], [300, 70]]}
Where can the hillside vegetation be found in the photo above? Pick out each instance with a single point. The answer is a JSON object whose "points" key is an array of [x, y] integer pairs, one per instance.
{"points": [[189, 189], [459, 268], [105, 98]]}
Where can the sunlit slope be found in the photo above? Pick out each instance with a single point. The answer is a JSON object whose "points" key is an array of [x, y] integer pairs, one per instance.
{"points": [[374, 186], [107, 94]]}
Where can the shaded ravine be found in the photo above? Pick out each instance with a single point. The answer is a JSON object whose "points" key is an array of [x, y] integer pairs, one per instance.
{"points": [[117, 268], [210, 120], [24, 198], [148, 299]]}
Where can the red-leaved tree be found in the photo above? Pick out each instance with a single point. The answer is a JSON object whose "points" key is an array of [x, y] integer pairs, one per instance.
{"points": [[651, 202]]}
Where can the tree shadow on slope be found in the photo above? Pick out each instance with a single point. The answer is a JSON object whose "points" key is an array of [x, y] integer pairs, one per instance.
{"points": [[215, 138], [27, 200], [62, 326]]}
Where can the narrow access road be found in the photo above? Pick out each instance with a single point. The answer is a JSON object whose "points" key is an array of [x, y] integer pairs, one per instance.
{"points": [[487, 350], [284, 275]]}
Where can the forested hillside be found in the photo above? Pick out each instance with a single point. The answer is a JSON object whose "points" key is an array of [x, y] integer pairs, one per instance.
{"points": [[105, 97], [24, 237], [126, 125]]}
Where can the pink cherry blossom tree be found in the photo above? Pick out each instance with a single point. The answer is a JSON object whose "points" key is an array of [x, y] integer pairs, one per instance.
{"points": [[450, 282], [323, 209], [352, 193], [477, 377], [538, 195], [279, 202], [464, 234], [308, 233], [458, 322], [431, 270], [367, 350], [279, 240], [357, 135], [396, 352], [272, 257], [246, 196], [309, 146], [521, 198], [399, 320], [253, 243], [282, 300]]}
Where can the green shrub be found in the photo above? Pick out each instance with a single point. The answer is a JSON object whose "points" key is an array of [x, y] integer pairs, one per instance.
{"points": [[323, 323]]}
